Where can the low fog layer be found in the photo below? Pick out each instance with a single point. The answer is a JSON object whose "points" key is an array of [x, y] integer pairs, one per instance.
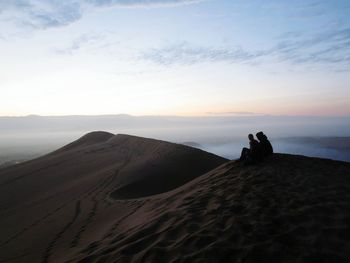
{"points": [[23, 138], [309, 146]]}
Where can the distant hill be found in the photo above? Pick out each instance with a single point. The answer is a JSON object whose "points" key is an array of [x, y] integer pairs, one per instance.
{"points": [[93, 201]]}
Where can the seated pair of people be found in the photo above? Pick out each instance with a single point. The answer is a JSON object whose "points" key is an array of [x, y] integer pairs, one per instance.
{"points": [[258, 150]]}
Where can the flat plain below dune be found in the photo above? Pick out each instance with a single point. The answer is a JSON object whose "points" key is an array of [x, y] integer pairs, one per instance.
{"points": [[287, 209]]}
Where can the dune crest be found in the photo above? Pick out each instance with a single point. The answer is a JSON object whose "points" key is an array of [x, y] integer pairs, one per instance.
{"points": [[88, 139]]}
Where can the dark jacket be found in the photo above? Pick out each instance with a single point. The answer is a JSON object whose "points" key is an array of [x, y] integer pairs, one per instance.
{"points": [[265, 144], [255, 150]]}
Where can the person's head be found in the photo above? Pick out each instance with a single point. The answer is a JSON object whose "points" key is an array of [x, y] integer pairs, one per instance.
{"points": [[251, 137], [261, 136]]}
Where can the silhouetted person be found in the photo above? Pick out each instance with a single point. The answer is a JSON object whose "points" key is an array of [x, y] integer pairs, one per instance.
{"points": [[265, 144], [253, 154]]}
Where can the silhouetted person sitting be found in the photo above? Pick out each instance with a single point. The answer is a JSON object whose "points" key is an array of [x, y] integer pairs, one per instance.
{"points": [[265, 144], [253, 154]]}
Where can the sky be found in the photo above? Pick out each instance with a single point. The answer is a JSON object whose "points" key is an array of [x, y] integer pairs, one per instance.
{"points": [[175, 57]]}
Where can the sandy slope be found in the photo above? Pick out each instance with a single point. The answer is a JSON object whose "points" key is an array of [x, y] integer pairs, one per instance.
{"points": [[287, 209], [58, 204]]}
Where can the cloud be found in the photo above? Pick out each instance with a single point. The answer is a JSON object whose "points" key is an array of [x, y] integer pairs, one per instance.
{"points": [[142, 3], [186, 54], [43, 14], [326, 48], [40, 14], [330, 48], [78, 43], [235, 113]]}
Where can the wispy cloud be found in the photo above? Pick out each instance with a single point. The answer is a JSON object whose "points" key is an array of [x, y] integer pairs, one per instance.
{"points": [[78, 43], [234, 113], [40, 14], [43, 14], [142, 3], [327, 48], [331, 48], [185, 53]]}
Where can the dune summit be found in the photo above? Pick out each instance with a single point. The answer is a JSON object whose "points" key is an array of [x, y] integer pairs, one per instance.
{"points": [[93, 201]]}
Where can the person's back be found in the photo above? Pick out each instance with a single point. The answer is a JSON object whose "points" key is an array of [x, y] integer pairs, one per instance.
{"points": [[253, 154], [255, 150], [265, 144]]}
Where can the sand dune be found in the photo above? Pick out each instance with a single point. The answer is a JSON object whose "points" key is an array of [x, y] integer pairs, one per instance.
{"points": [[53, 203], [287, 209]]}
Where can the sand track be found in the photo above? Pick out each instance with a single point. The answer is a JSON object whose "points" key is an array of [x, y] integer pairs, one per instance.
{"points": [[51, 245]]}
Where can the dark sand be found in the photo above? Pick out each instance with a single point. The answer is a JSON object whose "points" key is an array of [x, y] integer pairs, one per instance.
{"points": [[92, 201]]}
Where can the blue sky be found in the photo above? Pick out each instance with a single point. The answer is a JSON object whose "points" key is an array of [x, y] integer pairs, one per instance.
{"points": [[175, 57]]}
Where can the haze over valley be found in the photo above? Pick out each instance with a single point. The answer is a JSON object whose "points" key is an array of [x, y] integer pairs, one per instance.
{"points": [[24, 138]]}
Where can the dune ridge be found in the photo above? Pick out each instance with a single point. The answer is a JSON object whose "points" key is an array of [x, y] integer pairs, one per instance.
{"points": [[88, 139], [287, 209]]}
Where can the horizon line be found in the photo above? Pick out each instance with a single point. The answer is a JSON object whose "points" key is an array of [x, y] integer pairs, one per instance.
{"points": [[174, 116]]}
